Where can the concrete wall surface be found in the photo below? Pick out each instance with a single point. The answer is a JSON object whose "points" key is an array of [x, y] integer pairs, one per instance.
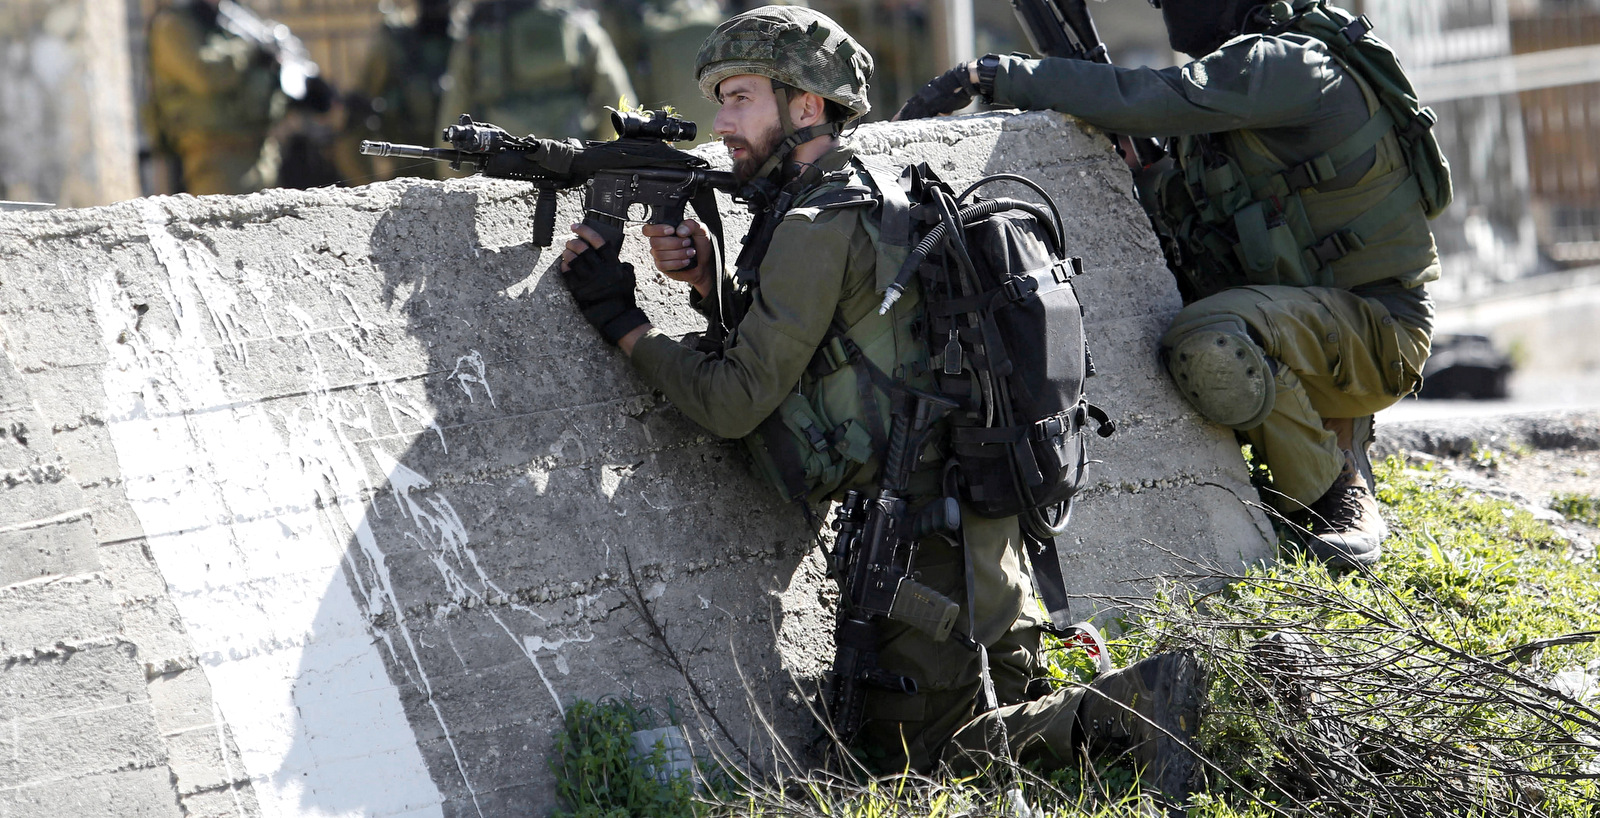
{"points": [[66, 103], [369, 502]]}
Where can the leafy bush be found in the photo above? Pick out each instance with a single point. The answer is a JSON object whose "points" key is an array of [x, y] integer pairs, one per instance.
{"points": [[599, 778]]}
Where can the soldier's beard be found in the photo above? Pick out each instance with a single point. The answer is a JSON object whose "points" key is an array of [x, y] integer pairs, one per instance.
{"points": [[755, 154]]}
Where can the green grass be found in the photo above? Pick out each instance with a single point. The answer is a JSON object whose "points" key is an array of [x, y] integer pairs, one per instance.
{"points": [[1424, 655], [1578, 507], [1435, 673]]}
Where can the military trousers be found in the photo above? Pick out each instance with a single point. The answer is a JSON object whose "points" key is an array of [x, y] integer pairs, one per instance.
{"points": [[941, 722], [1334, 355]]}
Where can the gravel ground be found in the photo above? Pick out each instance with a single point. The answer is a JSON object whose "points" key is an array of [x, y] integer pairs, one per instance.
{"points": [[1524, 459]]}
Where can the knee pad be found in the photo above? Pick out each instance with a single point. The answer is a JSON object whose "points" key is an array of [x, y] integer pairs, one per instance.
{"points": [[1222, 372]]}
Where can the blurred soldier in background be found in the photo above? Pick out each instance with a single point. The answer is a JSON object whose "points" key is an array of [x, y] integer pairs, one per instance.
{"points": [[655, 39], [899, 35], [534, 66], [214, 98], [397, 99]]}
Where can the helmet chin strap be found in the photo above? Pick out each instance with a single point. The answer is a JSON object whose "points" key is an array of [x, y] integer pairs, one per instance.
{"points": [[792, 137]]}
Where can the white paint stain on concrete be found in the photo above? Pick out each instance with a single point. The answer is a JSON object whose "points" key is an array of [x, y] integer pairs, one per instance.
{"points": [[231, 520], [470, 370]]}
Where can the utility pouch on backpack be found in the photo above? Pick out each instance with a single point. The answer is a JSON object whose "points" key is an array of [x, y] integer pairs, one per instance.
{"points": [[1029, 338], [796, 451], [1005, 329], [1268, 247]]}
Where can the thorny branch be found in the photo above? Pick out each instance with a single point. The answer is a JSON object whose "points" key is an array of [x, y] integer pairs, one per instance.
{"points": [[658, 644], [1380, 715]]}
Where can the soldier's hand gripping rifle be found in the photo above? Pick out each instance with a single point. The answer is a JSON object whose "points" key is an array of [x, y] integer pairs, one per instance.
{"points": [[636, 168], [1063, 28], [874, 559]]}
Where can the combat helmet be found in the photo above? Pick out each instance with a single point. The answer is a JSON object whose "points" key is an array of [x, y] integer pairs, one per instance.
{"points": [[798, 48], [1199, 27]]}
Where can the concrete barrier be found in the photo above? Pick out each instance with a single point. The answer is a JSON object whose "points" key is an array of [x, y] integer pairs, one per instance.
{"points": [[373, 506]]}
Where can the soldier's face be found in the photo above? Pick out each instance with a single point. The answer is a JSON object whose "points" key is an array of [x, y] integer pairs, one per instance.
{"points": [[748, 122]]}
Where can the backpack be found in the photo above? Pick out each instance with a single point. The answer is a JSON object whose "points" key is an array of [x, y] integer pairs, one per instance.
{"points": [[1349, 39], [1000, 336], [1006, 342]]}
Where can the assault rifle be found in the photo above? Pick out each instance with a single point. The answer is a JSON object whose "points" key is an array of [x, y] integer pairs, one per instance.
{"points": [[1063, 28], [873, 560], [636, 168], [298, 75]]}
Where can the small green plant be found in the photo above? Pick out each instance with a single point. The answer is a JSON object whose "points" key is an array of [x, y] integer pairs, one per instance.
{"points": [[1486, 458], [598, 777], [1578, 507]]}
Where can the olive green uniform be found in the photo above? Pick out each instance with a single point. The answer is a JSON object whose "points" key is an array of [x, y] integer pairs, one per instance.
{"points": [[821, 264], [535, 67], [214, 99], [1347, 344]]}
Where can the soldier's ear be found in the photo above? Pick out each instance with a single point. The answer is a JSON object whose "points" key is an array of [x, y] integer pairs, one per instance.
{"points": [[808, 109]]}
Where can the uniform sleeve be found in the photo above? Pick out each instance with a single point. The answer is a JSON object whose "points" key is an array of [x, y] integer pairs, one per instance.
{"points": [[801, 282], [176, 54], [1252, 82]]}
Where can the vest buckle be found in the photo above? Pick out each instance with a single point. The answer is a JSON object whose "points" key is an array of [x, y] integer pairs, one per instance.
{"points": [[1421, 124], [1357, 30]]}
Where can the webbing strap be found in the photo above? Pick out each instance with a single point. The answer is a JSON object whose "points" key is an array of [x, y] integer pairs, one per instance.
{"points": [[1336, 160], [1047, 578], [894, 222], [1355, 235], [705, 206]]}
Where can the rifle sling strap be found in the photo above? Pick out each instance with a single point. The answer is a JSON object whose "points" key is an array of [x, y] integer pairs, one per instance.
{"points": [[1048, 582]]}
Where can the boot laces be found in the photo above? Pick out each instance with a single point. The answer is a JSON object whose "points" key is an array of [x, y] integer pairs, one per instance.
{"points": [[1340, 509]]}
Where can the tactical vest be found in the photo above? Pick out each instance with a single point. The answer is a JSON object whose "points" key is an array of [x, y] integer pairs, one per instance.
{"points": [[836, 421], [1231, 213], [527, 69]]}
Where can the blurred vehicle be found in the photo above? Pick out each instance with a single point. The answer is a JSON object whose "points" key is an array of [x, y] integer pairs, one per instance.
{"points": [[1465, 366]]}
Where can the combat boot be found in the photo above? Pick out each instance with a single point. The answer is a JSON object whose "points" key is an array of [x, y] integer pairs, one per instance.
{"points": [[1343, 527], [1151, 711]]}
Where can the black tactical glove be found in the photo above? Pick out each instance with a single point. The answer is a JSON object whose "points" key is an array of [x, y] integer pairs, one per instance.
{"points": [[603, 287], [952, 90], [945, 94]]}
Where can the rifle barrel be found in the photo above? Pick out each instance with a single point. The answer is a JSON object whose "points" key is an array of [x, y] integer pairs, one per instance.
{"points": [[370, 148]]}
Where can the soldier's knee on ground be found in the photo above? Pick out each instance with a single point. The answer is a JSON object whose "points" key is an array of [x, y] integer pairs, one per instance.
{"points": [[1221, 370]]}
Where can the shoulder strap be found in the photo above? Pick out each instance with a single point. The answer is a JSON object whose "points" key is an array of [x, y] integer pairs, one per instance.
{"points": [[894, 221]]}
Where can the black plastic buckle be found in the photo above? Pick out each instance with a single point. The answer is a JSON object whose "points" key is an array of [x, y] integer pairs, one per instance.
{"points": [[1066, 269], [1019, 287], [1337, 246], [1358, 29], [1421, 124], [1051, 427]]}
